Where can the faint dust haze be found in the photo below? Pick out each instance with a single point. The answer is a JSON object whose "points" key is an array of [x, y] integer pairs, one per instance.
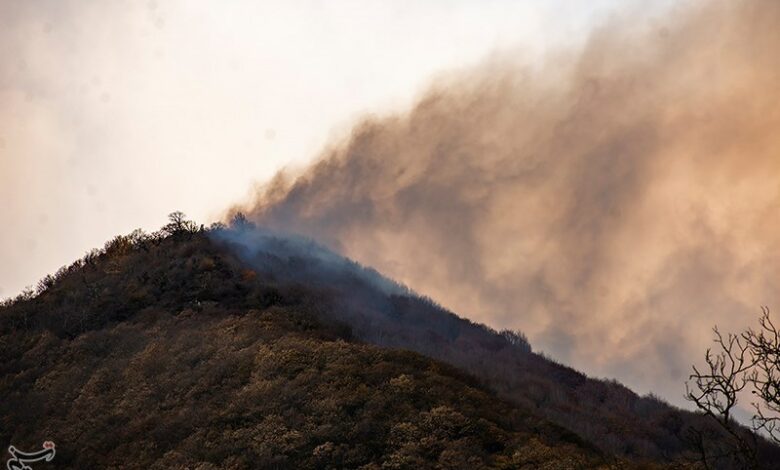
{"points": [[614, 203]]}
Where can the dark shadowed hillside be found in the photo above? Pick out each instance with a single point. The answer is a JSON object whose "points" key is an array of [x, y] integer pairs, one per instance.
{"points": [[233, 348], [379, 311], [167, 352]]}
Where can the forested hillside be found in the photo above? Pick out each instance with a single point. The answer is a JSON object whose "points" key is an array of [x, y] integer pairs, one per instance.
{"points": [[606, 413], [165, 352], [235, 348]]}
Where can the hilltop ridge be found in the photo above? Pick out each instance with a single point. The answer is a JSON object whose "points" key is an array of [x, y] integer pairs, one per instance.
{"points": [[237, 348]]}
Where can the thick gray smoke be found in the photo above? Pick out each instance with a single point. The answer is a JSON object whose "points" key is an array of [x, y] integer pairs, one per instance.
{"points": [[614, 204]]}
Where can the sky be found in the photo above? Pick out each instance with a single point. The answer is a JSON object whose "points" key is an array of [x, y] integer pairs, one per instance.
{"points": [[614, 201], [601, 175], [115, 113]]}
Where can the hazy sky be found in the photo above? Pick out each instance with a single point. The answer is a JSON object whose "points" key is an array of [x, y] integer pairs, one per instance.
{"points": [[114, 113], [614, 201]]}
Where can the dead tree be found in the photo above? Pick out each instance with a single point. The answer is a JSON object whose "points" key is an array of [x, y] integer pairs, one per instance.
{"points": [[740, 363]]}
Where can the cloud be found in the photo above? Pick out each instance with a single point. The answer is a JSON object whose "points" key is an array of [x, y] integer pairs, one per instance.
{"points": [[614, 203]]}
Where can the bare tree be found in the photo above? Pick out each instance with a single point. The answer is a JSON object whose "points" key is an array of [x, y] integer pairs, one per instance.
{"points": [[764, 345], [750, 362], [178, 224], [715, 391]]}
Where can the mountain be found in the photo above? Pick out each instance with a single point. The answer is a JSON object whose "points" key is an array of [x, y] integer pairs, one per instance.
{"points": [[239, 348]]}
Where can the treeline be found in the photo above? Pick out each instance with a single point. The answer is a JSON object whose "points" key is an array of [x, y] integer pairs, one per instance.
{"points": [[605, 413], [177, 267], [223, 271], [120, 245], [165, 351]]}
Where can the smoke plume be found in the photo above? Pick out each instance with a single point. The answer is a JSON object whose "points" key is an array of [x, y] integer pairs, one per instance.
{"points": [[613, 203]]}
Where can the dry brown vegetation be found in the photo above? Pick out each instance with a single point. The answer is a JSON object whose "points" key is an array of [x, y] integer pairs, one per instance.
{"points": [[166, 352], [230, 348]]}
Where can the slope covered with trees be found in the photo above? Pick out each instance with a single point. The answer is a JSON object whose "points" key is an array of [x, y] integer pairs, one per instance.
{"points": [[607, 414], [165, 351], [236, 348]]}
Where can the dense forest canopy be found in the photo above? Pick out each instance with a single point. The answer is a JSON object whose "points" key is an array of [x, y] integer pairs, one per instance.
{"points": [[231, 347]]}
